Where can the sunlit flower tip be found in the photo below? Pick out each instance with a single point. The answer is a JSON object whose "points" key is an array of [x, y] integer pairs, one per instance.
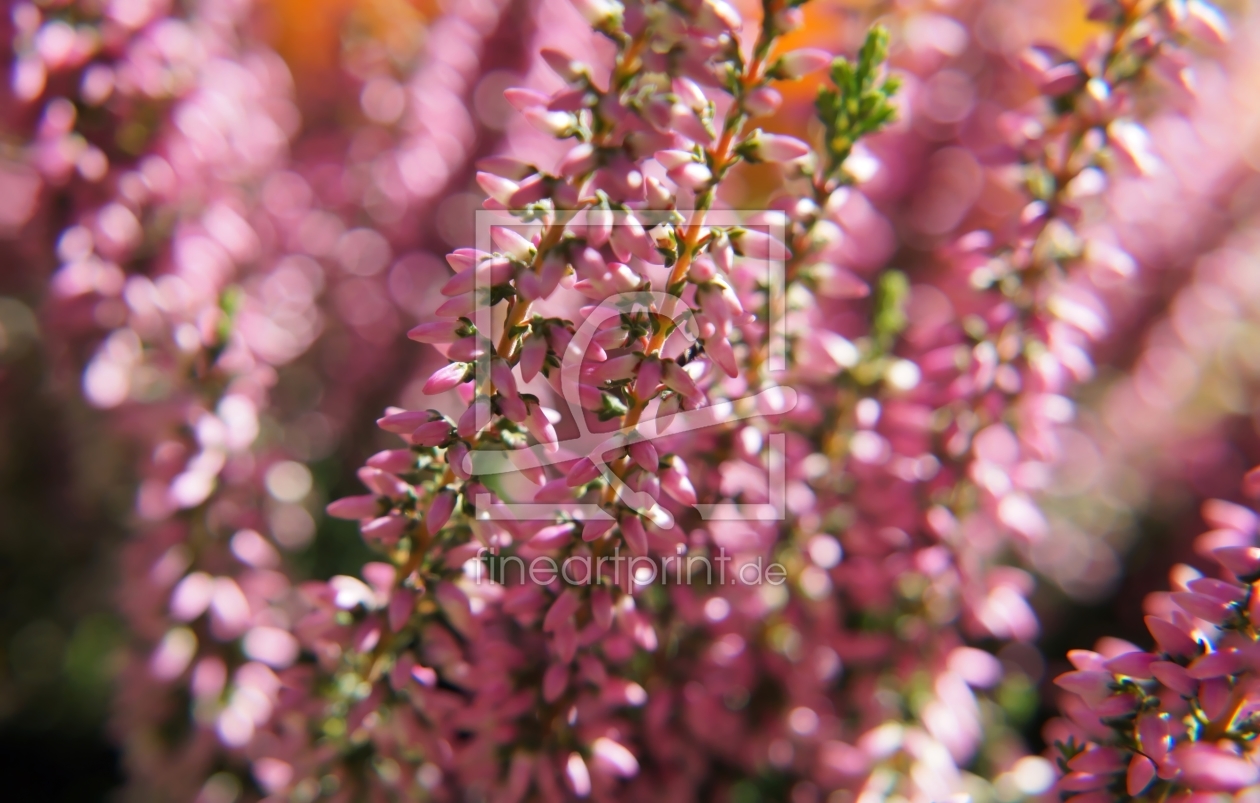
{"points": [[648, 378], [575, 771], [582, 472], [678, 485], [477, 416], [512, 243], [499, 188], [435, 332], [596, 528], [798, 63], [636, 537], [598, 12], [354, 507], [725, 13], [1202, 21], [658, 196], [446, 377], [763, 101], [1243, 561], [644, 453], [439, 512], [523, 99], [671, 159], [689, 92], [1130, 140], [562, 64], [614, 758], [402, 422], [757, 244], [763, 147], [432, 433], [691, 175], [351, 592], [556, 124]]}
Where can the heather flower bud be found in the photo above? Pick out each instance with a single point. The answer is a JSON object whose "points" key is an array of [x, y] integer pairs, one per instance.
{"points": [[523, 99], [474, 418], [762, 147], [644, 453], [439, 512], [432, 433], [512, 243], [486, 274], [648, 378], [632, 530], [596, 529], [616, 369], [435, 332], [583, 158], [468, 349], [564, 65], [1243, 561], [533, 356], [556, 124], [677, 380], [615, 758], [702, 270], [354, 507], [582, 472], [455, 457], [462, 306], [676, 483], [798, 63], [763, 101], [499, 188], [555, 681], [401, 422], [552, 537], [385, 530], [447, 377], [600, 13], [541, 427], [757, 244]]}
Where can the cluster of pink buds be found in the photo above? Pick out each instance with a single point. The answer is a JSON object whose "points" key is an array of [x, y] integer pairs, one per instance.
{"points": [[911, 431], [1176, 722]]}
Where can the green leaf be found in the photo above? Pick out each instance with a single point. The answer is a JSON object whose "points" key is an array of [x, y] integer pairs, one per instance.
{"points": [[859, 103]]}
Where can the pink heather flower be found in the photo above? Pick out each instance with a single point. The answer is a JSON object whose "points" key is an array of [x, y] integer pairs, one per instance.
{"points": [[801, 62]]}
